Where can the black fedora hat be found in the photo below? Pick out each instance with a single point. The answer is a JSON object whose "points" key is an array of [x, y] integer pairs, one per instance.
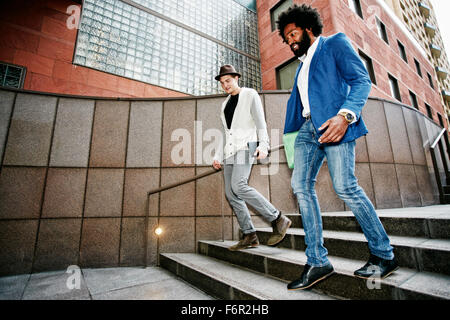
{"points": [[227, 69]]}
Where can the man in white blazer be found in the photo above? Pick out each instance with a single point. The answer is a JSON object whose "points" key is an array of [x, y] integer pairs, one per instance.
{"points": [[246, 137]]}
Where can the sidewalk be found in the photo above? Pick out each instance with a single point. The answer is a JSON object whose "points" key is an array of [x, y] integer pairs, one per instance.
{"points": [[126, 283]]}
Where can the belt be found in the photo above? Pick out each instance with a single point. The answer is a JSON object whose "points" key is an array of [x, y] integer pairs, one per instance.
{"points": [[308, 117]]}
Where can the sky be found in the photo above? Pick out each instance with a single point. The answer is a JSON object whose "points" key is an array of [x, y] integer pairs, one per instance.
{"points": [[442, 9]]}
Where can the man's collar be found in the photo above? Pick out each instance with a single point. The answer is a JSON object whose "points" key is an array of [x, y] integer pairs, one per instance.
{"points": [[311, 50]]}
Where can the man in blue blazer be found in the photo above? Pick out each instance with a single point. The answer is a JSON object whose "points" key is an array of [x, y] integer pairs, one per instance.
{"points": [[330, 89]]}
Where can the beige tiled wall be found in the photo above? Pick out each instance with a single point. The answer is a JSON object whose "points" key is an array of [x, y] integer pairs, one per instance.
{"points": [[109, 134], [72, 134], [30, 131], [75, 175]]}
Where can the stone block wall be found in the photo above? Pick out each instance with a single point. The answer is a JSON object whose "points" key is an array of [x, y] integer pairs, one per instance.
{"points": [[75, 173]]}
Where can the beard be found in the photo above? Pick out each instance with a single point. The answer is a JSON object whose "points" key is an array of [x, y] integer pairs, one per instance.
{"points": [[300, 48]]}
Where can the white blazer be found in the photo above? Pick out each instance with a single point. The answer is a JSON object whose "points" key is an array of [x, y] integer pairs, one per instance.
{"points": [[248, 125]]}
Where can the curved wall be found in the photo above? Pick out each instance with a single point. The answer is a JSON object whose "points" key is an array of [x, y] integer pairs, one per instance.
{"points": [[75, 172]]}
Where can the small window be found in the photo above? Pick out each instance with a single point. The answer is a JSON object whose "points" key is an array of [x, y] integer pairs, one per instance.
{"points": [[286, 73], [11, 76], [275, 12], [395, 90], [369, 66], [418, 68], [441, 120], [402, 51], [382, 31], [430, 79], [355, 6], [413, 98], [429, 111]]}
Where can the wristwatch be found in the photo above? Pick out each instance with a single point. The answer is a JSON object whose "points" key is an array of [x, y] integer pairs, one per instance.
{"points": [[347, 116]]}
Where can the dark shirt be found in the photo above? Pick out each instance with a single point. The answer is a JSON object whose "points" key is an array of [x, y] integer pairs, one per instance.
{"points": [[229, 109]]}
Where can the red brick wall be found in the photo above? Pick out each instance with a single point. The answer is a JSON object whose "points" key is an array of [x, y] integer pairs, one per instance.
{"points": [[337, 17], [34, 34]]}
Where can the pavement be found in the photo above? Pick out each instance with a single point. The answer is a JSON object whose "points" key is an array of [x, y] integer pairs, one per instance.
{"points": [[124, 283]]}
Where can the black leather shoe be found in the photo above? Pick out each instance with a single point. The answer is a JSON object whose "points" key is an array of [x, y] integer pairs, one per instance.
{"points": [[377, 268], [310, 276]]}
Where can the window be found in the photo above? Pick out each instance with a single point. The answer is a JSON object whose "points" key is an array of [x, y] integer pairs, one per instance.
{"points": [[430, 79], [382, 31], [369, 66], [419, 70], [355, 6], [441, 120], [429, 111], [413, 98], [275, 12], [11, 76], [402, 51], [286, 74], [395, 90], [166, 43]]}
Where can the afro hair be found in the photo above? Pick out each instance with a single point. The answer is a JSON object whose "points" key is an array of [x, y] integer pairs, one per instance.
{"points": [[304, 16]]}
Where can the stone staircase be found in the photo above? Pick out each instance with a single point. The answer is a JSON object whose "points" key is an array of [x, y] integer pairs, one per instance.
{"points": [[420, 236]]}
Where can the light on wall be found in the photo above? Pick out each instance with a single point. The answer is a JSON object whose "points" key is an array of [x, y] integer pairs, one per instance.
{"points": [[158, 231]]}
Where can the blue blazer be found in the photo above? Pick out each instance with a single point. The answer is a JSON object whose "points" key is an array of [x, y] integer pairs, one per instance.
{"points": [[337, 79]]}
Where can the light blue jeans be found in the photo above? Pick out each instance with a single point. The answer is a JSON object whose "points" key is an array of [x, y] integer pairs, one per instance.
{"points": [[236, 172], [309, 155]]}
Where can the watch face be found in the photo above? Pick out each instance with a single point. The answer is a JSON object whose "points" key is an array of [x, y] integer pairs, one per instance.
{"points": [[349, 117]]}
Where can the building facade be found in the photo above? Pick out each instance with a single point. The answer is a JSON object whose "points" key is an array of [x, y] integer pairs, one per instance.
{"points": [[124, 48], [420, 19], [399, 67], [156, 48]]}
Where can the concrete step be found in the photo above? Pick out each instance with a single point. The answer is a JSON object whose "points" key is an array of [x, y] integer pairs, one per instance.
{"points": [[427, 222], [422, 254], [226, 281], [287, 264]]}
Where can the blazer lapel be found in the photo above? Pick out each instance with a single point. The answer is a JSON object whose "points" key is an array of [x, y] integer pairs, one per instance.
{"points": [[315, 59]]}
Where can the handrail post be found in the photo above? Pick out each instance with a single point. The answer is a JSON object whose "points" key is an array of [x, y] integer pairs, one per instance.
{"points": [[221, 210], [147, 209], [437, 175], [447, 143], [444, 159]]}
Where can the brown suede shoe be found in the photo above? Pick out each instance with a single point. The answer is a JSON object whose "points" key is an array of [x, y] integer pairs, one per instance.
{"points": [[249, 240], [279, 226]]}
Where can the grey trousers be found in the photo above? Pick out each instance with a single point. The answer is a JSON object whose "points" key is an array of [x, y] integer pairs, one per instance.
{"points": [[236, 172]]}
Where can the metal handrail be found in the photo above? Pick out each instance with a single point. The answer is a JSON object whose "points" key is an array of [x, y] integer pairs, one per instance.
{"points": [[438, 138], [174, 185], [205, 174], [177, 184]]}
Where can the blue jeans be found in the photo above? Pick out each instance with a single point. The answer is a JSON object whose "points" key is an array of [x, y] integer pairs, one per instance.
{"points": [[309, 155]]}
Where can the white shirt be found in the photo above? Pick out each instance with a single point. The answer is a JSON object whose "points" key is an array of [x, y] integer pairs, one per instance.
{"points": [[303, 80]]}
